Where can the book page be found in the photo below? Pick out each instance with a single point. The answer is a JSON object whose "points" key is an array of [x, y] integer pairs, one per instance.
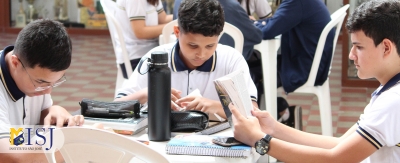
{"points": [[233, 88]]}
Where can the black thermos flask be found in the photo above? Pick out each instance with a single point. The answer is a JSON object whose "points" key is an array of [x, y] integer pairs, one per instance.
{"points": [[159, 97]]}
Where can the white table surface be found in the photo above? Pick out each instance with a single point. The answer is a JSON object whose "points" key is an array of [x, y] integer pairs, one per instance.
{"points": [[160, 147]]}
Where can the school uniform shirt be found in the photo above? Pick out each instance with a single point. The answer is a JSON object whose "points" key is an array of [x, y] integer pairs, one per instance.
{"points": [[260, 7], [379, 124], [136, 10], [15, 107], [224, 61]]}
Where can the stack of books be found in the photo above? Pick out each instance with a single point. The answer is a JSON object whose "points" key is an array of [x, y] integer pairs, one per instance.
{"points": [[126, 126]]}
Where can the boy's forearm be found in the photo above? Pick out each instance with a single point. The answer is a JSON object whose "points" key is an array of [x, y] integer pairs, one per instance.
{"points": [[290, 152], [292, 135]]}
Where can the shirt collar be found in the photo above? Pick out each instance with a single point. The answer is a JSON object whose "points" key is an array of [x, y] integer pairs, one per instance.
{"points": [[392, 82], [178, 65], [5, 77]]}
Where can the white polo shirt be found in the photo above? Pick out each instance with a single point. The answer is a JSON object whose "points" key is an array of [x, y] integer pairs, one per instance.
{"points": [[15, 107], [380, 122], [136, 10], [224, 61], [260, 7]]}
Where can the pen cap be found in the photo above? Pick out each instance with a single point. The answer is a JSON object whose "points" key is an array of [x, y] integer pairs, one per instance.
{"points": [[159, 57]]}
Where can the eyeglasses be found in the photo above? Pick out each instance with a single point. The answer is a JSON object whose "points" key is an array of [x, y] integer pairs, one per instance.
{"points": [[42, 88]]}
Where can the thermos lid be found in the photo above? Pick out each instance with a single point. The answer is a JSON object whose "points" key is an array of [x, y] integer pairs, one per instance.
{"points": [[159, 57]]}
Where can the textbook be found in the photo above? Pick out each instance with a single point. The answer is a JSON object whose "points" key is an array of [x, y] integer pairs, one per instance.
{"points": [[232, 88], [214, 127], [126, 126], [203, 145]]}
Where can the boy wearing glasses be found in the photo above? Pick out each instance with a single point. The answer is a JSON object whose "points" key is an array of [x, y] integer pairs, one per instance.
{"points": [[28, 72]]}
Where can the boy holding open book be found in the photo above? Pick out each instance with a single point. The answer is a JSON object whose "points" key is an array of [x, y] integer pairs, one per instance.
{"points": [[375, 34], [196, 60]]}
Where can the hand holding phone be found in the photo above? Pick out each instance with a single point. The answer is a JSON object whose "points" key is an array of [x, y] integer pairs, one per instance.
{"points": [[226, 141]]}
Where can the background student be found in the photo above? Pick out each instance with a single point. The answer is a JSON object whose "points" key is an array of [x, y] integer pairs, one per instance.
{"points": [[300, 22], [142, 22], [259, 7], [375, 33]]}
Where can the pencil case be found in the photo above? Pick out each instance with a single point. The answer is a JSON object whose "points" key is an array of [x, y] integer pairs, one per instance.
{"points": [[188, 121], [117, 109]]}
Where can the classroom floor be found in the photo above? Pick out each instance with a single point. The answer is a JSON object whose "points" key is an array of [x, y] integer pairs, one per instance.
{"points": [[93, 72]]}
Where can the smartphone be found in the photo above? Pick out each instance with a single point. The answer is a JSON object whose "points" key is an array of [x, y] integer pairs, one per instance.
{"points": [[226, 141]]}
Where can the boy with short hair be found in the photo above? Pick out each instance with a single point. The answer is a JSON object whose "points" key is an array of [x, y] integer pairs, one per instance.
{"points": [[28, 72], [375, 34], [196, 60]]}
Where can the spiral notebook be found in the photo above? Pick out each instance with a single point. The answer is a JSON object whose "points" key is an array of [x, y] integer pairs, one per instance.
{"points": [[203, 145]]}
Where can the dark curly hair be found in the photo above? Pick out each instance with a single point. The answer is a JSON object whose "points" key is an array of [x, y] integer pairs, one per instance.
{"points": [[204, 17], [378, 19], [44, 43]]}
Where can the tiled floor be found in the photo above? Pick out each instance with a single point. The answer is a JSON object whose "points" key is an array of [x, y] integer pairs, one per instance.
{"points": [[93, 71]]}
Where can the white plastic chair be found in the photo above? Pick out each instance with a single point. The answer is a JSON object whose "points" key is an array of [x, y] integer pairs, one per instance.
{"points": [[229, 29], [168, 30], [79, 144], [116, 33], [323, 92], [236, 34]]}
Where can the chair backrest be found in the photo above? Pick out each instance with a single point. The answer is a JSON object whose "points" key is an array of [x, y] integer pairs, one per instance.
{"points": [[79, 144], [336, 21], [116, 33], [229, 29], [236, 34], [167, 30]]}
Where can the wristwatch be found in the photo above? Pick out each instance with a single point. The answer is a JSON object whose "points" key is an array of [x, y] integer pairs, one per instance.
{"points": [[262, 146]]}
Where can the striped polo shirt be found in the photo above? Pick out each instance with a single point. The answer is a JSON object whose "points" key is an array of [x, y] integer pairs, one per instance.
{"points": [[136, 10], [379, 124], [15, 107], [224, 61]]}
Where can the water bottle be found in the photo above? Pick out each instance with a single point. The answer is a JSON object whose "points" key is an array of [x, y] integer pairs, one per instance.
{"points": [[159, 97]]}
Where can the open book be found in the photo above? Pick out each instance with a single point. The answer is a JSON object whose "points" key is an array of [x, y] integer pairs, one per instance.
{"points": [[126, 126], [232, 88], [203, 145]]}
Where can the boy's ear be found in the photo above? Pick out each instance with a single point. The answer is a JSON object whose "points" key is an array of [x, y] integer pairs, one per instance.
{"points": [[176, 31], [14, 61], [388, 46]]}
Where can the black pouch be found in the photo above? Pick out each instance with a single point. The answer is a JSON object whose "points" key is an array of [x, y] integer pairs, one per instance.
{"points": [[117, 109], [188, 121]]}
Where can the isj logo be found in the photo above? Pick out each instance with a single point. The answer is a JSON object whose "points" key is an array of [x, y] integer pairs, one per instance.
{"points": [[30, 138]]}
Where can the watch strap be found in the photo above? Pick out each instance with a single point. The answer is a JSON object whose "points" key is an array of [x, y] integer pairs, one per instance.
{"points": [[267, 138]]}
